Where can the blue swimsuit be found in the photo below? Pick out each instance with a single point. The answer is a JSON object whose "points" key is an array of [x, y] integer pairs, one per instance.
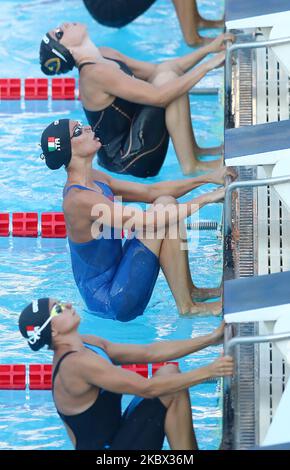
{"points": [[115, 281]]}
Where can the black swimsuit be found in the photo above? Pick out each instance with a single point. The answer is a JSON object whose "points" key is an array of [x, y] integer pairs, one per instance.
{"points": [[102, 425], [134, 137], [117, 13]]}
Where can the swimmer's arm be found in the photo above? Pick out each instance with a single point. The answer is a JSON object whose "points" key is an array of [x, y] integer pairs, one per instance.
{"points": [[98, 372], [117, 83], [102, 211], [190, 60], [122, 353], [158, 352], [140, 69], [138, 192], [163, 351], [185, 63], [95, 341]]}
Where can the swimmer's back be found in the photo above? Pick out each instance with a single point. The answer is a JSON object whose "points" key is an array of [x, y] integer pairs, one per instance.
{"points": [[94, 256], [90, 414], [78, 219]]}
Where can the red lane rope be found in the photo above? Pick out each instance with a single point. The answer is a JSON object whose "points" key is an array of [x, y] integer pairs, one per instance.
{"points": [[38, 89], [27, 224], [14, 376]]}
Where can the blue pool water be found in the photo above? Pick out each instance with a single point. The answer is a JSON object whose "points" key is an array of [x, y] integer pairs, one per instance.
{"points": [[31, 268]]}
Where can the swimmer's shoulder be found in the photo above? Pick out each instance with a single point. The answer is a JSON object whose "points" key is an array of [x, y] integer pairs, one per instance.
{"points": [[72, 376], [97, 72], [95, 341], [110, 53], [73, 194], [78, 202], [102, 177]]}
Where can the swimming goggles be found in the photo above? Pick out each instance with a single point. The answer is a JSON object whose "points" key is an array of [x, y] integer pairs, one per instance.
{"points": [[56, 310], [78, 130], [58, 34]]}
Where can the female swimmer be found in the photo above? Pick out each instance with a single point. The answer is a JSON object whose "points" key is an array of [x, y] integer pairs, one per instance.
{"points": [[133, 106], [117, 281], [88, 384]]}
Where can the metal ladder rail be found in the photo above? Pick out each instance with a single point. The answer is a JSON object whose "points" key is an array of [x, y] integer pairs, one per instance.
{"points": [[245, 46], [228, 415]]}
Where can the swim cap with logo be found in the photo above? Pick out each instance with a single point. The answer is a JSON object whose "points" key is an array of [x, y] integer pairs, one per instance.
{"points": [[54, 57], [31, 319], [56, 144]]}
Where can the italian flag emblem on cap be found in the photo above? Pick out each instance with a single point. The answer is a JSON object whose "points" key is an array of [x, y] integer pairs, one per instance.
{"points": [[30, 330], [53, 144]]}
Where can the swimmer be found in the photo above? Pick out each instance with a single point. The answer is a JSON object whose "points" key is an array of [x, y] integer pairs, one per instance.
{"points": [[88, 384], [115, 281], [119, 13], [133, 106]]}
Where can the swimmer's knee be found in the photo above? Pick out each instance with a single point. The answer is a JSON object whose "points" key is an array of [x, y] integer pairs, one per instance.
{"points": [[165, 75], [165, 200], [168, 369], [125, 312], [124, 315]]}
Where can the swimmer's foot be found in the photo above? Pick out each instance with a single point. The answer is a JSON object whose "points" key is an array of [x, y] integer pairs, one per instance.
{"points": [[201, 309], [201, 294], [197, 41], [207, 24], [201, 167], [209, 166]]}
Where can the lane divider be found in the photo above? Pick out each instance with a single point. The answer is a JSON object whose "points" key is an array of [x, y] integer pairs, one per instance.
{"points": [[14, 376], [57, 89], [35, 89], [38, 89], [27, 224], [10, 88], [52, 225]]}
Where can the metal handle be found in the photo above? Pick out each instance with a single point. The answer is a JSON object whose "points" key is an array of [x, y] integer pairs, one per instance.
{"points": [[245, 184], [248, 45], [254, 340], [233, 342]]}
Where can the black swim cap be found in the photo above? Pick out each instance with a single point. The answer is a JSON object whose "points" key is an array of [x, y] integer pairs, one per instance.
{"points": [[56, 144], [31, 319], [54, 57]]}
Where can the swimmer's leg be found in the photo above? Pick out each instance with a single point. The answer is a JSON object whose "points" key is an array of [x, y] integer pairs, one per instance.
{"points": [[203, 23], [175, 266], [190, 20], [117, 14], [178, 422], [203, 293], [179, 126], [147, 420]]}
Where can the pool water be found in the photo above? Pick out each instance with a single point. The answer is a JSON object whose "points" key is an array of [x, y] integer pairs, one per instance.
{"points": [[33, 268]]}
